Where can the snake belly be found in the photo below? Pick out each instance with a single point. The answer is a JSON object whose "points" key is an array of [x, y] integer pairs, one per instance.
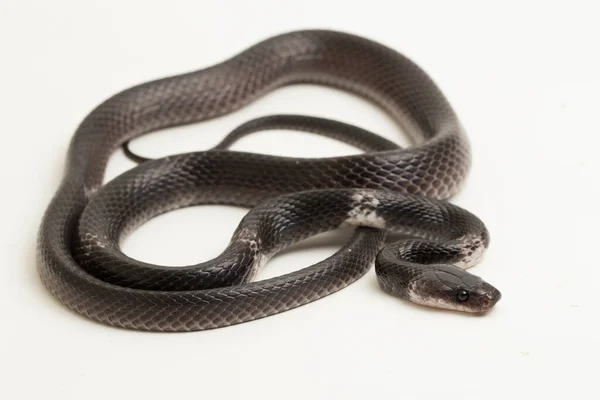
{"points": [[133, 296]]}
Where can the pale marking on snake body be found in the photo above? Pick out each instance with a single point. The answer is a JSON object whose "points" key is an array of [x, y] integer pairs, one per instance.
{"points": [[470, 260], [364, 213]]}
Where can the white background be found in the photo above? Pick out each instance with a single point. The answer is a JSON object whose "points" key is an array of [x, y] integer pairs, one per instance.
{"points": [[523, 77]]}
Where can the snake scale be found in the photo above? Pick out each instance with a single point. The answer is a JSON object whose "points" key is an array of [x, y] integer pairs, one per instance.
{"points": [[385, 189]]}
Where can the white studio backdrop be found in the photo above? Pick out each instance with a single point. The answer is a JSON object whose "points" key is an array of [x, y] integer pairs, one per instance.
{"points": [[523, 78]]}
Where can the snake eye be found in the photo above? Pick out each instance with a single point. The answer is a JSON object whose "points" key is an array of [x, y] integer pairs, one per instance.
{"points": [[462, 295]]}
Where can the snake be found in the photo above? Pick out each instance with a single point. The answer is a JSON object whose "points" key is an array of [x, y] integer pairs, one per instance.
{"points": [[396, 199]]}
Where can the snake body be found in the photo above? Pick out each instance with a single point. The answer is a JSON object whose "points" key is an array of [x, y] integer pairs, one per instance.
{"points": [[384, 189]]}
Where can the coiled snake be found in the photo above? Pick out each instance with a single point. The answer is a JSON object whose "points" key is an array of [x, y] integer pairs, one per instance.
{"points": [[384, 189]]}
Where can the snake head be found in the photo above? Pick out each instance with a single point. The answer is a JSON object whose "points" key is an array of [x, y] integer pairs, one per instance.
{"points": [[449, 287]]}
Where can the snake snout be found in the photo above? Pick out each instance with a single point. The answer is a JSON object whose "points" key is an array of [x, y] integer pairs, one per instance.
{"points": [[490, 297]]}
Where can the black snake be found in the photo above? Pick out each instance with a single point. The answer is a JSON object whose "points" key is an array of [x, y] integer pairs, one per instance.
{"points": [[384, 189]]}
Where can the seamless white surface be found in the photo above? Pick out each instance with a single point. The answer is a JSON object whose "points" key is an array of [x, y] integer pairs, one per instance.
{"points": [[523, 77]]}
